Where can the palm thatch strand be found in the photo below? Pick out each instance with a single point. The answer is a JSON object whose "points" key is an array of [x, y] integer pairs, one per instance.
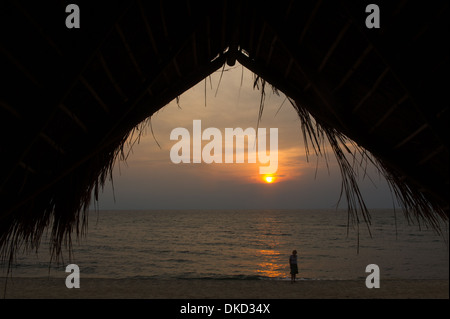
{"points": [[71, 98]]}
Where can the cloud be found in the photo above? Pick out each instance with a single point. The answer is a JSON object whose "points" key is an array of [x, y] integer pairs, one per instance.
{"points": [[150, 180]]}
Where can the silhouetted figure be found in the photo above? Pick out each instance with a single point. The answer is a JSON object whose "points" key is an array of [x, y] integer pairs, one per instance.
{"points": [[293, 265]]}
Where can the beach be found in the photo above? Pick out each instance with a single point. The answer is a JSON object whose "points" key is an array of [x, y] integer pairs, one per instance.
{"points": [[103, 288], [236, 255]]}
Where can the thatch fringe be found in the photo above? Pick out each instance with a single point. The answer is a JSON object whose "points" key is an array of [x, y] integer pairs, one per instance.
{"points": [[66, 214], [351, 159], [67, 211]]}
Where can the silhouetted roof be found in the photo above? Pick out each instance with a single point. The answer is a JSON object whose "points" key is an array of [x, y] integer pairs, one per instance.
{"points": [[71, 97]]}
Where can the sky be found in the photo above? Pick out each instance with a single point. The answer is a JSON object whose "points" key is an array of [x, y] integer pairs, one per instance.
{"points": [[149, 179]]}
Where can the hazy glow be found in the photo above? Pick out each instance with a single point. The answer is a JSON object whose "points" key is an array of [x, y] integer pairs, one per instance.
{"points": [[150, 180]]}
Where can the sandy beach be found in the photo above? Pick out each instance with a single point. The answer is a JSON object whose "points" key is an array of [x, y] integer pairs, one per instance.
{"points": [[100, 288]]}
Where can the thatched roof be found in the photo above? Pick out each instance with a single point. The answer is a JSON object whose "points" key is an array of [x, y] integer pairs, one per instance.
{"points": [[71, 97]]}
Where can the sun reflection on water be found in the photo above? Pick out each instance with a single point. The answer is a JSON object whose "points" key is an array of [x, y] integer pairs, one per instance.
{"points": [[271, 266]]}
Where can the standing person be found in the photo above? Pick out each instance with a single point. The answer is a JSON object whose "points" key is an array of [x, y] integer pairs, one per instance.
{"points": [[293, 265]]}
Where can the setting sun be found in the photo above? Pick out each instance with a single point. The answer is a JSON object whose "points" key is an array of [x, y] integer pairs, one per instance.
{"points": [[269, 179]]}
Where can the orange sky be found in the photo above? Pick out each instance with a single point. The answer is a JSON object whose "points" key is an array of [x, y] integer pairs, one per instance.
{"points": [[149, 179]]}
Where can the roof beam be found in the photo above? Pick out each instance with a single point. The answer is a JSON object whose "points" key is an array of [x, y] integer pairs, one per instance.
{"points": [[208, 35], [224, 26], [177, 68], [389, 112], [289, 67], [99, 100], [20, 66], [74, 118], [411, 136], [52, 143], [431, 155], [10, 109], [334, 45], [354, 67], [194, 49], [27, 167], [312, 16], [129, 51], [147, 27], [372, 89], [111, 77], [261, 35], [272, 47], [38, 27], [163, 19]]}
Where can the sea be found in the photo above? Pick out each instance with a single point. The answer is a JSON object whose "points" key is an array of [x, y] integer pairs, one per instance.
{"points": [[245, 245]]}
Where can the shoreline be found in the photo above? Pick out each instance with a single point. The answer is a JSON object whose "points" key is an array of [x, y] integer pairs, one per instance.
{"points": [[103, 288]]}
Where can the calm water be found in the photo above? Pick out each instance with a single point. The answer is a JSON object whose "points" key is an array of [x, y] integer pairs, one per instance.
{"points": [[247, 245]]}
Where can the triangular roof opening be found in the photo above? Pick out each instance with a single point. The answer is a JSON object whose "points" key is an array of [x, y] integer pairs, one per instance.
{"points": [[87, 89], [229, 98]]}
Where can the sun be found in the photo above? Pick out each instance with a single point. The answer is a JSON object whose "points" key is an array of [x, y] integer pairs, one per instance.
{"points": [[269, 179]]}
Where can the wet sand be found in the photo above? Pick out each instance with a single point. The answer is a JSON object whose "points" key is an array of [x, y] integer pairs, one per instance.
{"points": [[101, 288]]}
